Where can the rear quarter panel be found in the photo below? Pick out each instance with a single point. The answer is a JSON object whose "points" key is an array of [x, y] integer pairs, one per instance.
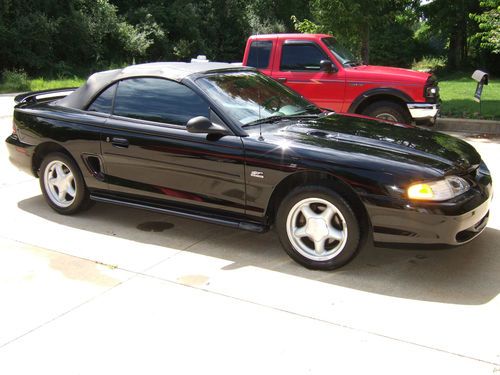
{"points": [[76, 131]]}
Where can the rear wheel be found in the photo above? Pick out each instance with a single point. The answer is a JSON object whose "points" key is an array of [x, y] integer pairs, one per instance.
{"points": [[62, 184], [317, 228], [386, 110]]}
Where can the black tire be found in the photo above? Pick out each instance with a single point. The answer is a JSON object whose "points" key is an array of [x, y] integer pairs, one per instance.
{"points": [[337, 252], [386, 110], [74, 194]]}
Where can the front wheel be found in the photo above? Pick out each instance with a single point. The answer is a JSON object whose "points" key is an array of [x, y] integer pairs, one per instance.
{"points": [[62, 184], [385, 110], [317, 228]]}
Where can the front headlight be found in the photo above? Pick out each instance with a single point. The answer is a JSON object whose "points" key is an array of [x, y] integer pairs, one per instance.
{"points": [[441, 190], [431, 92]]}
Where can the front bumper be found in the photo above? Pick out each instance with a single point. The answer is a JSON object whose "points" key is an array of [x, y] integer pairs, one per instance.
{"points": [[452, 222], [423, 111], [390, 226]]}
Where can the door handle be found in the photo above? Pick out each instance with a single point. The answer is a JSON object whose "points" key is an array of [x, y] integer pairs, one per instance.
{"points": [[281, 79], [120, 142]]}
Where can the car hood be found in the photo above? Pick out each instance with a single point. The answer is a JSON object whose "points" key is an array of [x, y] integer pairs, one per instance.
{"points": [[379, 141], [385, 73]]}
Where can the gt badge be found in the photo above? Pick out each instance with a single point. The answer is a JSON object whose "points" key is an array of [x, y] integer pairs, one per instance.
{"points": [[257, 174]]}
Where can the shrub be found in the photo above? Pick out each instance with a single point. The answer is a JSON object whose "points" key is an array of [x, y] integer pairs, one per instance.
{"points": [[15, 80], [430, 64]]}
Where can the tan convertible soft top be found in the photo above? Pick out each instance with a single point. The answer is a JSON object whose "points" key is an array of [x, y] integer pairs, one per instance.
{"points": [[176, 71]]}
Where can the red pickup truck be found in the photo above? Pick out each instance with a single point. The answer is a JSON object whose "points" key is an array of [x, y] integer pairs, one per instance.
{"points": [[317, 67]]}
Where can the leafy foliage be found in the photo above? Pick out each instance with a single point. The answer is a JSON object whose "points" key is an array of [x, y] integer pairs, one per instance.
{"points": [[450, 20], [15, 80], [372, 29], [70, 37], [489, 25], [429, 64]]}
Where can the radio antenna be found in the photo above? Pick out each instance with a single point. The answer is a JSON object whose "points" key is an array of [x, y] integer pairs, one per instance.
{"points": [[261, 138]]}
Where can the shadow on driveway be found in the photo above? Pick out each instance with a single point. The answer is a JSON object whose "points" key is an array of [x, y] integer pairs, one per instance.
{"points": [[467, 275]]}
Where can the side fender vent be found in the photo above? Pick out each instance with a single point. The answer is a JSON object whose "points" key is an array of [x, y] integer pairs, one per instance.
{"points": [[94, 166]]}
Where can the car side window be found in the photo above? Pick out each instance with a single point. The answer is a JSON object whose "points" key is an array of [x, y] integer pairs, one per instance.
{"points": [[159, 100], [260, 53], [302, 57], [104, 102]]}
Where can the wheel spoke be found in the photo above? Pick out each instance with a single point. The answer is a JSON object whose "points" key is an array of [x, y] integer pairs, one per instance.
{"points": [[53, 181], [62, 195], [69, 180], [327, 214], [71, 191], [300, 232], [319, 247], [335, 234], [307, 212], [60, 171]]}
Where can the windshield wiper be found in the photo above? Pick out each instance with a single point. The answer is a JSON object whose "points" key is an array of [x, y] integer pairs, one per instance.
{"points": [[272, 119], [265, 120]]}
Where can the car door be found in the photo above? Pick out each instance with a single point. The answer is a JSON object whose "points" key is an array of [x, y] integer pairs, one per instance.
{"points": [[149, 155], [299, 68]]}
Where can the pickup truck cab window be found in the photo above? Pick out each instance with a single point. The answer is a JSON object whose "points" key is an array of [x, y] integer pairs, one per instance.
{"points": [[301, 57], [260, 54], [158, 100], [104, 102]]}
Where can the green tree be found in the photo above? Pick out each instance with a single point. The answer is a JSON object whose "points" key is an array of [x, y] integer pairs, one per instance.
{"points": [[489, 25], [360, 23], [48, 36], [451, 20]]}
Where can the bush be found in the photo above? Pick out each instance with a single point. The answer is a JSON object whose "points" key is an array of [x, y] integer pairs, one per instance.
{"points": [[15, 80], [430, 64]]}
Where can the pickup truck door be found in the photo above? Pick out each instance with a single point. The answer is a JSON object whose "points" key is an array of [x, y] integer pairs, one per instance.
{"points": [[297, 64], [161, 161]]}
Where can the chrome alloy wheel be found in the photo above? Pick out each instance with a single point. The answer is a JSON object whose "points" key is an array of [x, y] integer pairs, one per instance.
{"points": [[317, 229], [59, 183], [387, 116]]}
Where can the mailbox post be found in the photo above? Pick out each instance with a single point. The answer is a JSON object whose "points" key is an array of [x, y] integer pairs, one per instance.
{"points": [[482, 79]]}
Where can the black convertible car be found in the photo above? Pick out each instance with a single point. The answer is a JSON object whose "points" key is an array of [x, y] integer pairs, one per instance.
{"points": [[228, 145]]}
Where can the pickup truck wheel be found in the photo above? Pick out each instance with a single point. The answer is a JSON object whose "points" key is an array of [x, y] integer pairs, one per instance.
{"points": [[385, 110], [62, 184], [317, 228]]}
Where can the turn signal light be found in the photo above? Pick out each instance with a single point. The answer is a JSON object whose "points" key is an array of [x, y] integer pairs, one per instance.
{"points": [[420, 191]]}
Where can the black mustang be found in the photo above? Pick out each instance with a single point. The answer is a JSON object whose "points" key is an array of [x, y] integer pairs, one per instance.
{"points": [[228, 145]]}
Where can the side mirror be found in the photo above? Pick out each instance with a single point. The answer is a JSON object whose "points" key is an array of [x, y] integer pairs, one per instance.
{"points": [[201, 124], [327, 66]]}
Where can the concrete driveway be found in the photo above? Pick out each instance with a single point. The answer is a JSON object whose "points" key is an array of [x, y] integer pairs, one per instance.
{"points": [[123, 291]]}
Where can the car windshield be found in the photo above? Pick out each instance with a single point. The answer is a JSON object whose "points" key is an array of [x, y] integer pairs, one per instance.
{"points": [[250, 97], [340, 52]]}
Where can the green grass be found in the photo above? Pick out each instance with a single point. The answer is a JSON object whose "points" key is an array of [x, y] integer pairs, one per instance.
{"points": [[457, 93], [37, 84], [43, 84]]}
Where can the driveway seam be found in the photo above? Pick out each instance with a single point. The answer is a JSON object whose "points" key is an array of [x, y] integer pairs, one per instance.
{"points": [[141, 273], [323, 320]]}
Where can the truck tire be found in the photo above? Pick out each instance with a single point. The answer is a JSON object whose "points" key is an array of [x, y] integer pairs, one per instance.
{"points": [[386, 110]]}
